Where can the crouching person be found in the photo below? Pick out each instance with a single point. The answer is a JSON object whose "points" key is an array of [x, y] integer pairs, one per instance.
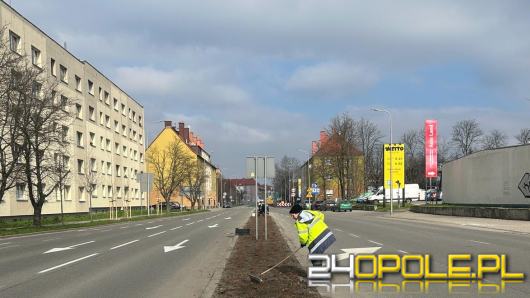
{"points": [[312, 231]]}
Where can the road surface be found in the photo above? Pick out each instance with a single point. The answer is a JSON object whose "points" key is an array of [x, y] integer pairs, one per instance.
{"points": [[165, 257], [360, 229]]}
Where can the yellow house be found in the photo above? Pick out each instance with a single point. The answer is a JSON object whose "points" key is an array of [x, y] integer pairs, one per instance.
{"points": [[191, 147]]}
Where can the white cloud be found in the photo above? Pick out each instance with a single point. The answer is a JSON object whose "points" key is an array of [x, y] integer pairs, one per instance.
{"points": [[331, 79]]}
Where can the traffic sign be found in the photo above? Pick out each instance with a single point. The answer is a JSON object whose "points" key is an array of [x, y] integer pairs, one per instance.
{"points": [[314, 185], [524, 185], [315, 191], [309, 195]]}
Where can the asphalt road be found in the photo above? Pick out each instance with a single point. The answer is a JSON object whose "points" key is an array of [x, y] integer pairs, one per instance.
{"points": [[136, 259], [356, 230]]}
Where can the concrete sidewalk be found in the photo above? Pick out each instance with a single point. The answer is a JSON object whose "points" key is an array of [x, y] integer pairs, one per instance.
{"points": [[489, 224]]}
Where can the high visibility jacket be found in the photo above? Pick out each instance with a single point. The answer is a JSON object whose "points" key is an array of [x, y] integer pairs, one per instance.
{"points": [[312, 230]]}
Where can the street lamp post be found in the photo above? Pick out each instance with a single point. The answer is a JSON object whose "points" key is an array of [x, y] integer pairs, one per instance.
{"points": [[390, 161], [308, 171]]}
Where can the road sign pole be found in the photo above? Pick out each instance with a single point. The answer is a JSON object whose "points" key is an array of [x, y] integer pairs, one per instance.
{"points": [[256, 179], [265, 197]]}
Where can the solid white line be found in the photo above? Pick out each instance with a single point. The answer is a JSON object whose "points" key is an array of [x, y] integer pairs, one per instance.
{"points": [[67, 263], [402, 251], [377, 243], [157, 234], [121, 245], [190, 223], [479, 242], [353, 235], [176, 228]]}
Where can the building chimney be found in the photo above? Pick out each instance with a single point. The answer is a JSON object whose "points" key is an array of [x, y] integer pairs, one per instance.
{"points": [[168, 123], [181, 127]]}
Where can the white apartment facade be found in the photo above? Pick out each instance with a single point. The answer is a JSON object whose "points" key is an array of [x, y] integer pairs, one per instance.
{"points": [[107, 135]]}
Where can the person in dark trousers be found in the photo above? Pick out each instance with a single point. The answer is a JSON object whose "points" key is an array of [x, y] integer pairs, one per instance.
{"points": [[312, 230]]}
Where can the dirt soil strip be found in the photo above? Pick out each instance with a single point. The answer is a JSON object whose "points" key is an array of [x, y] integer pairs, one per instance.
{"points": [[249, 256]]}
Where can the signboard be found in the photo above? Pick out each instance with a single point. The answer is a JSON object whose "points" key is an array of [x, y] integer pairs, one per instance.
{"points": [[431, 148], [142, 178], [524, 185], [398, 165], [262, 164]]}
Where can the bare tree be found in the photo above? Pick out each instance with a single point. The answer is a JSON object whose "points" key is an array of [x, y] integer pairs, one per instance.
{"points": [[91, 178], [42, 135], [169, 166], [369, 137], [195, 178], [466, 136], [284, 172], [524, 136], [495, 139]]}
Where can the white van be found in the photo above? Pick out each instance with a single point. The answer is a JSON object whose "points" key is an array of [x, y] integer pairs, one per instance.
{"points": [[412, 193]]}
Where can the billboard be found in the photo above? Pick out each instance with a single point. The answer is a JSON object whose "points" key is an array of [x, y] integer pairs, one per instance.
{"points": [[398, 165], [431, 148]]}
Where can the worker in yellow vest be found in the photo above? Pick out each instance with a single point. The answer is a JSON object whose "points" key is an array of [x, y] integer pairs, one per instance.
{"points": [[312, 230]]}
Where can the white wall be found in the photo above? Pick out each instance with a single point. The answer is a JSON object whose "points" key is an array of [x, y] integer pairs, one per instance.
{"points": [[488, 177]]}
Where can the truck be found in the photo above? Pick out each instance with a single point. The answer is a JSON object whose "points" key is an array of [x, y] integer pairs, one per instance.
{"points": [[412, 193]]}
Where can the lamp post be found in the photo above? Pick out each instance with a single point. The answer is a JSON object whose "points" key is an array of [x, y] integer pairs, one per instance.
{"points": [[308, 171], [390, 161]]}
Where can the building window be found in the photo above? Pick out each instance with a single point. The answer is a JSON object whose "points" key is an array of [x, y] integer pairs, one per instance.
{"points": [[108, 145], [92, 113], [101, 120], [140, 121], [124, 150], [107, 121], [81, 194], [80, 141], [141, 157], [115, 104], [107, 98], [117, 148], [35, 56], [123, 110], [94, 191], [78, 83], [101, 143], [20, 189], [116, 126], [118, 191], [63, 72], [134, 116], [79, 111], [125, 172], [109, 169], [90, 87], [109, 191], [14, 42], [103, 169], [118, 171], [65, 130], [103, 191], [92, 139], [53, 67], [124, 130], [80, 166], [100, 94], [67, 196], [93, 165]]}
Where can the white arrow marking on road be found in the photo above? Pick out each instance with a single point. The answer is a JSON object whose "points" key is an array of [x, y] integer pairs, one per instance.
{"points": [[356, 251], [228, 218], [176, 228], [178, 246], [68, 263], [56, 249], [185, 219], [214, 226], [155, 234], [150, 228]]}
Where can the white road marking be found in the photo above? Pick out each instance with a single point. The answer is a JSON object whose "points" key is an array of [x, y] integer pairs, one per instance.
{"points": [[83, 230], [178, 246], [228, 218], [190, 223], [479, 242], [402, 251], [123, 227], [199, 220], [46, 240], [5, 243], [356, 251], [353, 235], [9, 246], [150, 222], [67, 263], [186, 218], [150, 228], [56, 249], [176, 228], [155, 234], [105, 230], [338, 230], [139, 224], [376, 243], [213, 226], [122, 245]]}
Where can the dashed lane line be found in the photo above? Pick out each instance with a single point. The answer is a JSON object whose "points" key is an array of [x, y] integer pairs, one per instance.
{"points": [[172, 229], [353, 235], [189, 224], [480, 242], [122, 245], [376, 243], [156, 234], [67, 263], [402, 251]]}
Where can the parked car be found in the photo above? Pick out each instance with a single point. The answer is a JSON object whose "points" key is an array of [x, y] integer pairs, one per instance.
{"points": [[317, 205], [329, 205], [172, 206], [412, 193], [343, 205], [363, 198], [227, 205]]}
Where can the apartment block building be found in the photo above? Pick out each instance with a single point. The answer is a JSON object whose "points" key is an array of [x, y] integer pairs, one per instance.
{"points": [[106, 137]]}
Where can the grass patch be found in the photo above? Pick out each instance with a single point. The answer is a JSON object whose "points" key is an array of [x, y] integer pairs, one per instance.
{"points": [[396, 207], [75, 221]]}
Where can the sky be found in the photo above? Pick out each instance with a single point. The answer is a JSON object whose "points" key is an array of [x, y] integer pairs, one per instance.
{"points": [[264, 77]]}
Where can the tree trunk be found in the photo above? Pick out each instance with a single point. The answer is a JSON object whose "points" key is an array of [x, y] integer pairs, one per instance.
{"points": [[37, 216], [167, 206]]}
